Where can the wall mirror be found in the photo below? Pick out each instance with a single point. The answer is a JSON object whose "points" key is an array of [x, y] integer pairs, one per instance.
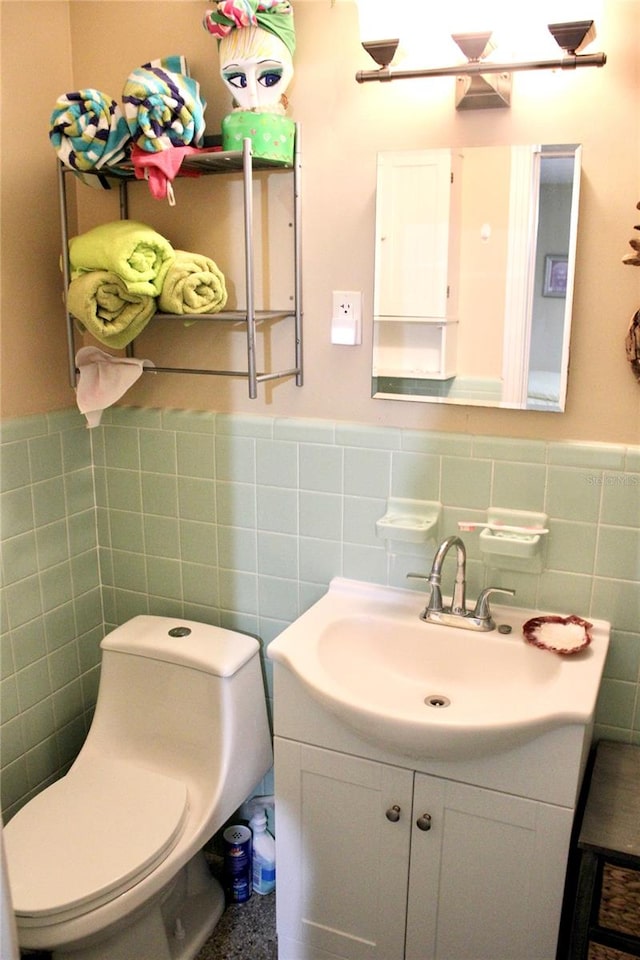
{"points": [[474, 267]]}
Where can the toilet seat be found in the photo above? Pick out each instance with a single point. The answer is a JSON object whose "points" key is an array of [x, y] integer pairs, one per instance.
{"points": [[89, 837]]}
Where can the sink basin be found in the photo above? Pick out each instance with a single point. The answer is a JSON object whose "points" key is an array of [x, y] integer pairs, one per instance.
{"points": [[431, 691]]}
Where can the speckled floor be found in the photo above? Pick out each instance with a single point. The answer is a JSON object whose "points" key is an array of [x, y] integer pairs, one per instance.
{"points": [[246, 931]]}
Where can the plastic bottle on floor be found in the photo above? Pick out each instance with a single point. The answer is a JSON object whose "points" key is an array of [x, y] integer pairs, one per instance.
{"points": [[264, 854]]}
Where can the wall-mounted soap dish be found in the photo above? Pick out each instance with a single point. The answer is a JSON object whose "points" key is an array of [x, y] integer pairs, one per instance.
{"points": [[409, 521], [513, 539]]}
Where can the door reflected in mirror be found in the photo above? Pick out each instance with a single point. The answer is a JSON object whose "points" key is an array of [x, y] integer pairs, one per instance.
{"points": [[474, 270]]}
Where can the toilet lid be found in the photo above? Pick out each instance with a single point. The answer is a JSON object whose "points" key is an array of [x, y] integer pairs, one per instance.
{"points": [[90, 836]]}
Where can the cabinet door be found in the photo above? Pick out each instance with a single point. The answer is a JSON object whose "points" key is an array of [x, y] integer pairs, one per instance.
{"points": [[486, 881], [413, 203], [342, 864]]}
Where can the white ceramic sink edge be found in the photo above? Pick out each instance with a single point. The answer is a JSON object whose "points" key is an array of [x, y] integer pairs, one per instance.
{"points": [[428, 691]]}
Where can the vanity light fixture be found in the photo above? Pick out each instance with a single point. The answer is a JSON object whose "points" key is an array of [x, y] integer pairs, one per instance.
{"points": [[482, 83]]}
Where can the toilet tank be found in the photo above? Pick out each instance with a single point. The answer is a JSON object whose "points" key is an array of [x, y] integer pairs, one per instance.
{"points": [[186, 698]]}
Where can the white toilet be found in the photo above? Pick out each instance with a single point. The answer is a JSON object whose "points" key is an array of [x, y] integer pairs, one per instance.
{"points": [[107, 863]]}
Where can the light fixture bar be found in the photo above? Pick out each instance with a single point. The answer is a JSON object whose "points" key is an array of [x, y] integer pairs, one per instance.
{"points": [[473, 69]]}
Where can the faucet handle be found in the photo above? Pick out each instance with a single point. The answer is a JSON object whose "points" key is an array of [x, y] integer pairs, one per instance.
{"points": [[434, 602], [418, 576], [483, 610]]}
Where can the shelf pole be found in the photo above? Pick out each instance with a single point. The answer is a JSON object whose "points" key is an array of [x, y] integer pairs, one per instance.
{"points": [[297, 228], [247, 168], [66, 274]]}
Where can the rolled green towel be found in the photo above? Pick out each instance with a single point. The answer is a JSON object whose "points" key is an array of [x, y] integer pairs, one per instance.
{"points": [[136, 252], [193, 284], [101, 304]]}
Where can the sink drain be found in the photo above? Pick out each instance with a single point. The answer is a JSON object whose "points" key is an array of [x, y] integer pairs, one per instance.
{"points": [[437, 700]]}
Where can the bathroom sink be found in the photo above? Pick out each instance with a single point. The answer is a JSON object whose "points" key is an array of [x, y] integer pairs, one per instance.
{"points": [[432, 691]]}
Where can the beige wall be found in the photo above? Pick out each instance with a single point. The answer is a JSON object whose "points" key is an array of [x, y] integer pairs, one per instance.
{"points": [[50, 47]]}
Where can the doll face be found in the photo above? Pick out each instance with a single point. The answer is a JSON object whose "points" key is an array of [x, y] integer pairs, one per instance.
{"points": [[256, 67]]}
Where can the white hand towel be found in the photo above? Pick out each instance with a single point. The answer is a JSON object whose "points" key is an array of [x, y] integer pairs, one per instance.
{"points": [[103, 380]]}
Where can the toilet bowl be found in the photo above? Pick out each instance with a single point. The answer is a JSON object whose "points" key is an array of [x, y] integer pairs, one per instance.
{"points": [[107, 862]]}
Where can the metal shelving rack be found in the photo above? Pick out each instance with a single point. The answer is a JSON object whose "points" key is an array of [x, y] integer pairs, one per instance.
{"points": [[219, 162]]}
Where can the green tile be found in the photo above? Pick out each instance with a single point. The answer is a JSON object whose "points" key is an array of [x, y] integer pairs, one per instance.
{"points": [[595, 456], [466, 483], [572, 494], [359, 523], [85, 572], [79, 491], [415, 476], [59, 625], [88, 612], [320, 467], [278, 509], [161, 537], [310, 431], [518, 486], [565, 593], [68, 704], [277, 598], [158, 451], [124, 489], [320, 515], [45, 454], [621, 499], [367, 473], [23, 601], [60, 420], [278, 555], [77, 449], [236, 504], [237, 548], [12, 741], [53, 545], [160, 494], [361, 435], [22, 428], [198, 542], [165, 578], [38, 723], [49, 501], [623, 657], [632, 460], [506, 448], [121, 448], [618, 554], [63, 665], [277, 463], [16, 470], [196, 455], [618, 602], [28, 643], [143, 417], [189, 421], [56, 585], [320, 560], [126, 532], [8, 699], [19, 557], [81, 528], [571, 547], [231, 424], [199, 584], [616, 702], [129, 571], [238, 591], [235, 459], [16, 511], [437, 444], [197, 499], [365, 563], [33, 684]]}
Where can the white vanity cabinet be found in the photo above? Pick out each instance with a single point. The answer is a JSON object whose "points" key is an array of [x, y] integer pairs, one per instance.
{"points": [[380, 862], [416, 264]]}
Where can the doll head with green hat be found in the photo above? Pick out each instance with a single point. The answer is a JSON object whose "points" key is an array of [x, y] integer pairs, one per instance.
{"points": [[256, 40]]}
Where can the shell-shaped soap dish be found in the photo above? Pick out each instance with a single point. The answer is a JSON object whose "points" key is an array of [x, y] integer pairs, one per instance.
{"points": [[563, 635]]}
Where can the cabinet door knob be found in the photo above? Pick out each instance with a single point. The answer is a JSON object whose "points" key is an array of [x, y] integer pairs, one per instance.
{"points": [[424, 822], [393, 813]]}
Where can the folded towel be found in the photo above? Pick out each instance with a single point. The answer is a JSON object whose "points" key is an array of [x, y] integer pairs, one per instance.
{"points": [[163, 106], [139, 255], [193, 284], [88, 130], [102, 306], [103, 380]]}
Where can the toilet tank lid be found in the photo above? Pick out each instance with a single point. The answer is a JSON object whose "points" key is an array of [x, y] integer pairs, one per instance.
{"points": [[188, 643]]}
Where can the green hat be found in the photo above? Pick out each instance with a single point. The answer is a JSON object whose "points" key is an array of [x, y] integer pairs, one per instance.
{"points": [[276, 16]]}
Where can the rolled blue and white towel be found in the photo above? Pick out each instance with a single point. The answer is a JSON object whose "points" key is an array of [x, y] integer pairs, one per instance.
{"points": [[88, 130], [162, 105]]}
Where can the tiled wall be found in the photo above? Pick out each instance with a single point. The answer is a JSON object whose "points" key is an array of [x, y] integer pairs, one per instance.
{"points": [[50, 599], [243, 521]]}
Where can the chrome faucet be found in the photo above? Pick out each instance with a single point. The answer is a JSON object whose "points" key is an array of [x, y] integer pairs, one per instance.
{"points": [[456, 615]]}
